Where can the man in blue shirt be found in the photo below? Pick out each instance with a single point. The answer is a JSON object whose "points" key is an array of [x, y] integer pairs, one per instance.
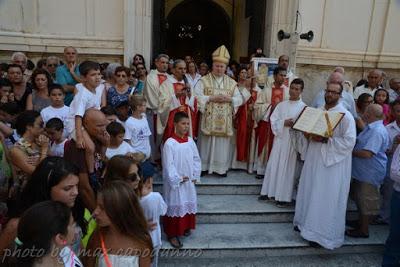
{"points": [[68, 74], [368, 169]]}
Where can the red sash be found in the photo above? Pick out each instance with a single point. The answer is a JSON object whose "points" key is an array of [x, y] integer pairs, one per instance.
{"points": [[264, 131], [169, 128], [244, 125], [161, 78]]}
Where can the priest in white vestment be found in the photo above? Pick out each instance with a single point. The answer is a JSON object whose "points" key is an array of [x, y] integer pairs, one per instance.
{"points": [[325, 179], [151, 92], [218, 100], [279, 179]]}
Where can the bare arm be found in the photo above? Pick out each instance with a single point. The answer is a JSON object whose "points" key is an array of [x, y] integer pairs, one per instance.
{"points": [[20, 160], [104, 98], [29, 104], [8, 235], [366, 154], [93, 246], [86, 191]]}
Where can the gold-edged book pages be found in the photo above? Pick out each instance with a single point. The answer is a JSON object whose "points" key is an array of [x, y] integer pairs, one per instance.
{"points": [[317, 121]]}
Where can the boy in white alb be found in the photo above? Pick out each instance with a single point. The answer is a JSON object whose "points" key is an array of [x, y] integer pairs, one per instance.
{"points": [[90, 94], [57, 109], [54, 130], [181, 169], [117, 144], [137, 127], [153, 206]]}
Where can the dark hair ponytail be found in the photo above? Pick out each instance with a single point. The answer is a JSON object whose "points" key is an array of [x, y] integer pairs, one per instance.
{"points": [[37, 228]]}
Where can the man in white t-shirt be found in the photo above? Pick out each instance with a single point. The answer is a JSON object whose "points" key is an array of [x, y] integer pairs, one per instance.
{"points": [[374, 80]]}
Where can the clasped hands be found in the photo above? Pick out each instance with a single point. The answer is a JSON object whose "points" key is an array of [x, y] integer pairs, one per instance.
{"points": [[220, 98]]}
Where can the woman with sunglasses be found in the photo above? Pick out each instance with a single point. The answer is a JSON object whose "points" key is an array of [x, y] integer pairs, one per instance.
{"points": [[120, 91]]}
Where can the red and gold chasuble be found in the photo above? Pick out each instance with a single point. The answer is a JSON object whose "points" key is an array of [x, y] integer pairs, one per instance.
{"points": [[169, 128], [264, 132], [244, 124]]}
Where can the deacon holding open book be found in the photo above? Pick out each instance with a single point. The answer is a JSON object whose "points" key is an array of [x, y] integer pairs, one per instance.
{"points": [[325, 179]]}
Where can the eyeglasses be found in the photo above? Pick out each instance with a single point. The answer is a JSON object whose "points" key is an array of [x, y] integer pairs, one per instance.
{"points": [[52, 65], [121, 75], [332, 92]]}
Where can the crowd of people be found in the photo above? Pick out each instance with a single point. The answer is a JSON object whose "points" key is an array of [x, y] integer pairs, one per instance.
{"points": [[81, 143]]}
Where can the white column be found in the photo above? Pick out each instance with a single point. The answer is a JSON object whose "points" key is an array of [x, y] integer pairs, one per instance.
{"points": [[137, 29]]}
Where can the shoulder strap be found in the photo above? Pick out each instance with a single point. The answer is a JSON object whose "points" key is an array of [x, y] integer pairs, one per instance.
{"points": [[103, 248]]}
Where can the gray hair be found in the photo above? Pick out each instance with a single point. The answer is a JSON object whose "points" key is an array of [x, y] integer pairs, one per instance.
{"points": [[162, 56], [176, 62], [110, 70], [53, 58], [376, 110], [18, 54]]}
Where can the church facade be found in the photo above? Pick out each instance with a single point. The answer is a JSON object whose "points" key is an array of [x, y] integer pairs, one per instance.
{"points": [[356, 34]]}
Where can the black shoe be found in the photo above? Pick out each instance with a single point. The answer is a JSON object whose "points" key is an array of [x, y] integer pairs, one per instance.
{"points": [[187, 232], [203, 173], [259, 176], [296, 229], [314, 244], [353, 223], [221, 175], [263, 197]]}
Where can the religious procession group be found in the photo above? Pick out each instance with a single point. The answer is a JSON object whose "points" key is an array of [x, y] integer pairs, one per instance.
{"points": [[80, 144]]}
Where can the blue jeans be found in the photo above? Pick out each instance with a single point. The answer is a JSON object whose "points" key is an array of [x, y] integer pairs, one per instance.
{"points": [[391, 256]]}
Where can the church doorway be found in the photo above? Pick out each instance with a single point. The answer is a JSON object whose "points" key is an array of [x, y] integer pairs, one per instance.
{"points": [[197, 28]]}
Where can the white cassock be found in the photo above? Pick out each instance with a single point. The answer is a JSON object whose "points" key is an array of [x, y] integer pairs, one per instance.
{"points": [[179, 160], [279, 179], [216, 151], [324, 185]]}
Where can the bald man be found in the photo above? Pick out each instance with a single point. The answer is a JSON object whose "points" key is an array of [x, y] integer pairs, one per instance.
{"points": [[374, 78], [346, 99], [347, 85], [368, 169], [94, 122]]}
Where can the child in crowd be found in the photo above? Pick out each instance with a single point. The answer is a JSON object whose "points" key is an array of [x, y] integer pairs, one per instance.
{"points": [[48, 228], [153, 206], [117, 144], [111, 114], [6, 94], [122, 229], [54, 130], [57, 109], [181, 168], [8, 115], [90, 94], [381, 97], [137, 128]]}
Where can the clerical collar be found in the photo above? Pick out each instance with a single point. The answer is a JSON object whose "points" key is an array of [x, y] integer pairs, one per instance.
{"points": [[180, 139]]}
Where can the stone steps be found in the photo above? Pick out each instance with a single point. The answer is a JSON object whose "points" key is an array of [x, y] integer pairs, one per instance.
{"points": [[262, 240], [237, 183], [244, 209]]}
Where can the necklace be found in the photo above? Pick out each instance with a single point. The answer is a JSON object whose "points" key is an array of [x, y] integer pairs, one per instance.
{"points": [[219, 84]]}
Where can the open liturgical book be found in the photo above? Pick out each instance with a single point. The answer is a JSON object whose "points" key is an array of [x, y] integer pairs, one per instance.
{"points": [[318, 122]]}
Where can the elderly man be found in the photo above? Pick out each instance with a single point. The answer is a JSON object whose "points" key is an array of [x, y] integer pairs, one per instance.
{"points": [[218, 99], [394, 89], [323, 190], [374, 82], [68, 74], [347, 85], [368, 169], [346, 99], [20, 58], [151, 92], [94, 122], [52, 63]]}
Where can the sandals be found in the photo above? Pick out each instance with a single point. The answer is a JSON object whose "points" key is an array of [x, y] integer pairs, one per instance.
{"points": [[356, 234], [175, 242]]}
